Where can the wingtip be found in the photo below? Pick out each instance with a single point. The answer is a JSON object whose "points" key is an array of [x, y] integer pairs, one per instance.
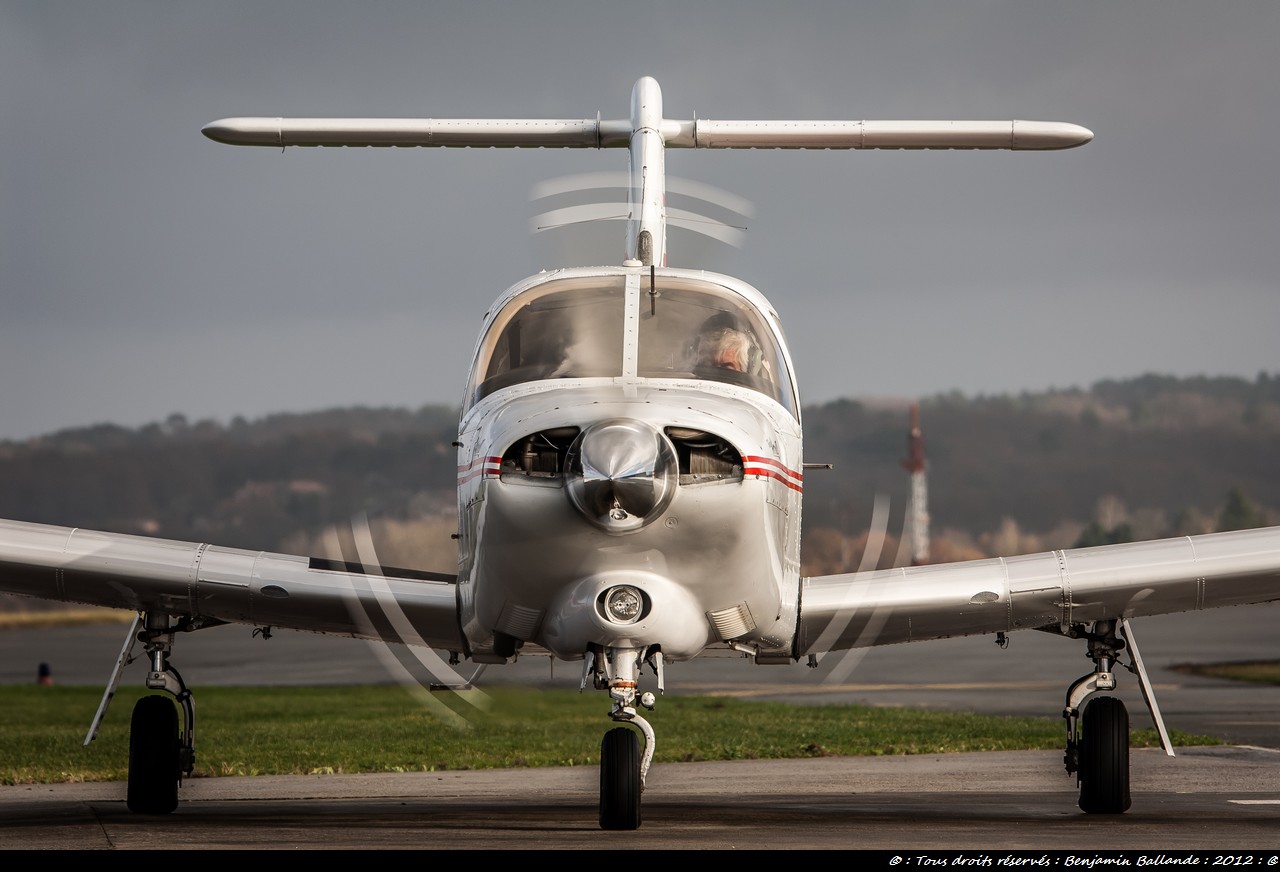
{"points": [[1085, 134], [244, 131], [221, 130], [1049, 135]]}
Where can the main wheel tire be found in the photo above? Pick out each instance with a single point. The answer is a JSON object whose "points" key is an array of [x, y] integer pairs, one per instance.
{"points": [[620, 780], [153, 756], [1104, 757]]}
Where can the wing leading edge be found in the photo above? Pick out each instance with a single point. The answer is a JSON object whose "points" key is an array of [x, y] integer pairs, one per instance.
{"points": [[1056, 588], [227, 584]]}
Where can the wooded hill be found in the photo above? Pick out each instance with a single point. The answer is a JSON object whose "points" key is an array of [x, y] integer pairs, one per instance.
{"points": [[1006, 474], [1013, 474]]}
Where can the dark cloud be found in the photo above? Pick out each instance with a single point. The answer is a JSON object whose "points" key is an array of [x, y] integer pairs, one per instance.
{"points": [[145, 270]]}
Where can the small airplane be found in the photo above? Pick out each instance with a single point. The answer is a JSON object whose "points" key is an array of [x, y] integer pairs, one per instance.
{"points": [[630, 474]]}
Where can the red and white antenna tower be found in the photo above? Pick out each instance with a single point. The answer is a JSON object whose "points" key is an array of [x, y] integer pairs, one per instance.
{"points": [[918, 508]]}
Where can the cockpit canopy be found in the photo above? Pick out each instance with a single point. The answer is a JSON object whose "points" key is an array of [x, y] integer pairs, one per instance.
{"points": [[585, 327]]}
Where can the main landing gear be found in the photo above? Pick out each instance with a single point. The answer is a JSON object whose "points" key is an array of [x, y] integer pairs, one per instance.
{"points": [[1098, 738], [155, 767], [624, 761], [161, 750]]}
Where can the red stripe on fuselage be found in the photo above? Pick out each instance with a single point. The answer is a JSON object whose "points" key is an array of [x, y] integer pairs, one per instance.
{"points": [[489, 467], [767, 467]]}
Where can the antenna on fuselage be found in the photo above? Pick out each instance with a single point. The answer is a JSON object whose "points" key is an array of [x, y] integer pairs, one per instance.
{"points": [[647, 134]]}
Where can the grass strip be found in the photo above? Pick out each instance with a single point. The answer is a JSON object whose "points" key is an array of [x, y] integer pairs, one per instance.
{"points": [[326, 730], [1262, 672]]}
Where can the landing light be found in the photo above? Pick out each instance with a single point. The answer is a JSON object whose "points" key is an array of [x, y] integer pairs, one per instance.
{"points": [[623, 604]]}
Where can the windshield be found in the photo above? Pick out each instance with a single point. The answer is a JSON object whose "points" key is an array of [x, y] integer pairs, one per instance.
{"points": [[695, 331], [568, 329], [576, 328]]}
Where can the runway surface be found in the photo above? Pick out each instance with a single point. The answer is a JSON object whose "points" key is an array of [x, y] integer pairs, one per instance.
{"points": [[1213, 800]]}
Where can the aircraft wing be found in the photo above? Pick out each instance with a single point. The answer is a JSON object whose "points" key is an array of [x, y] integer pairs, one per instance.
{"points": [[1052, 589], [228, 584], [853, 610]]}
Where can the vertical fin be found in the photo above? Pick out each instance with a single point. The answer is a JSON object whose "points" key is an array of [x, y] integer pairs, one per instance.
{"points": [[647, 197]]}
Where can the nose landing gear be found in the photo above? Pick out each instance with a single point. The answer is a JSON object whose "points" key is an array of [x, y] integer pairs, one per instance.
{"points": [[624, 763]]}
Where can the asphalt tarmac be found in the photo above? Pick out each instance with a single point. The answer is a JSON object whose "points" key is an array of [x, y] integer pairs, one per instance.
{"points": [[1219, 801], [1223, 799]]}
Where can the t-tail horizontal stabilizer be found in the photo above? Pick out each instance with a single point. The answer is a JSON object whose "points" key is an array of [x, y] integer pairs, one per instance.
{"points": [[647, 133]]}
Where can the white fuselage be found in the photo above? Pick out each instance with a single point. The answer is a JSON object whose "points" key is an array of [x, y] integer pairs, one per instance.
{"points": [[715, 556]]}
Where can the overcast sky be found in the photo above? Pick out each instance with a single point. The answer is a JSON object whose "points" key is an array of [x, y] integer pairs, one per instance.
{"points": [[146, 270]]}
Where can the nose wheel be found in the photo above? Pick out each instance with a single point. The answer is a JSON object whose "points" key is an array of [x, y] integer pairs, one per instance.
{"points": [[620, 780]]}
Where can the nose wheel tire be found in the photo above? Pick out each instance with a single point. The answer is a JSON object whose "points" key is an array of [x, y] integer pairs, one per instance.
{"points": [[154, 763], [1104, 757], [620, 780]]}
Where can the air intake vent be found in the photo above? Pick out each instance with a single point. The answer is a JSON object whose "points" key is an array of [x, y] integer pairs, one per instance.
{"points": [[732, 622], [704, 456], [518, 621]]}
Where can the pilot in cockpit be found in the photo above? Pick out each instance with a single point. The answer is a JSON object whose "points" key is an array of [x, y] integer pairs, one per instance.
{"points": [[724, 343]]}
